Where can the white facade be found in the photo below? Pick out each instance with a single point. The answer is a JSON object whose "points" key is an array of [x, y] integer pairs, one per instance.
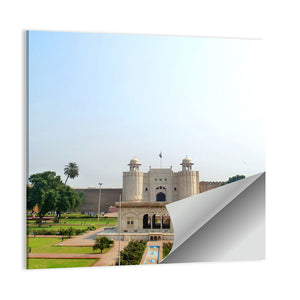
{"points": [[159, 184]]}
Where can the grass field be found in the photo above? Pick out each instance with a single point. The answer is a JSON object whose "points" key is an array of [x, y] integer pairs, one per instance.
{"points": [[78, 223], [48, 245], [46, 263]]}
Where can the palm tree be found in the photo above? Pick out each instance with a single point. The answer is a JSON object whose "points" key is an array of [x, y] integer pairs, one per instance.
{"points": [[71, 170]]}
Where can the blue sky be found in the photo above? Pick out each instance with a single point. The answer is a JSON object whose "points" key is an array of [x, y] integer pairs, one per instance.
{"points": [[100, 99]]}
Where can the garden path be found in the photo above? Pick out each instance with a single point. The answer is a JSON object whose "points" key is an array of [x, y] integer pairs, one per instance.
{"points": [[86, 239], [110, 257]]}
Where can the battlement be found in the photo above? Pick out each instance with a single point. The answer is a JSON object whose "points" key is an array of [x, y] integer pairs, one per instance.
{"points": [[208, 185]]}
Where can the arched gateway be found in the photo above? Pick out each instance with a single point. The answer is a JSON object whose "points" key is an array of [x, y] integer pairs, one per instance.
{"points": [[160, 197]]}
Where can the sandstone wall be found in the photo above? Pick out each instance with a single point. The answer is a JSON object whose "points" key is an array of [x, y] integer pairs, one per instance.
{"points": [[108, 198], [208, 185]]}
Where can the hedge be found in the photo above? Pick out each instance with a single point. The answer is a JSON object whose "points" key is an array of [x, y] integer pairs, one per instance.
{"points": [[70, 231], [132, 254]]}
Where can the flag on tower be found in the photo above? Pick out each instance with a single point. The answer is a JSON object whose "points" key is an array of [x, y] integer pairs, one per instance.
{"points": [[160, 155]]}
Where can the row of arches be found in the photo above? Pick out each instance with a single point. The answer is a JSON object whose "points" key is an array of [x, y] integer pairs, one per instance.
{"points": [[155, 238], [156, 221]]}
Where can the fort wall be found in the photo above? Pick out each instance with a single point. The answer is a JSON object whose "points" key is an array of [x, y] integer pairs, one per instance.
{"points": [[108, 198], [111, 195]]}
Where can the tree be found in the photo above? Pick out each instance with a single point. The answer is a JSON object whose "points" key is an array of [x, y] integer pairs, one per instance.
{"points": [[68, 198], [71, 170], [49, 193], [43, 192], [102, 243], [29, 203], [234, 178]]}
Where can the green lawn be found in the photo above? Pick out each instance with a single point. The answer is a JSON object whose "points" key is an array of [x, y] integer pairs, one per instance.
{"points": [[87, 221], [79, 222], [46, 263], [48, 245]]}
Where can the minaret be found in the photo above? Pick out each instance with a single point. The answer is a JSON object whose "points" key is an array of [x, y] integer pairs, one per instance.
{"points": [[133, 182], [188, 180]]}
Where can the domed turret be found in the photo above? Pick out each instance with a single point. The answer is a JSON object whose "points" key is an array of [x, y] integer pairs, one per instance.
{"points": [[188, 180], [134, 161], [133, 182], [186, 164], [134, 164]]}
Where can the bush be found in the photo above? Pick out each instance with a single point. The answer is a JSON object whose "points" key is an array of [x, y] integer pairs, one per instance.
{"points": [[92, 228], [74, 216], [167, 248], [132, 254], [70, 231]]}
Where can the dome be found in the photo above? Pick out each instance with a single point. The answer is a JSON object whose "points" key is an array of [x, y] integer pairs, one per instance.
{"points": [[187, 161], [134, 161]]}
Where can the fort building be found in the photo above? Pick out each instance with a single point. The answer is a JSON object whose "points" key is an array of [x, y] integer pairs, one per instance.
{"points": [[109, 196], [142, 210]]}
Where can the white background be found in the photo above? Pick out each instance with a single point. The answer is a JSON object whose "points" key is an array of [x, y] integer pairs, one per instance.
{"points": [[275, 22]]}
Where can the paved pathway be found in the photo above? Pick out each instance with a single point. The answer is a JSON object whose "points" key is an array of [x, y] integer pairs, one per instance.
{"points": [[111, 215], [110, 257], [86, 239]]}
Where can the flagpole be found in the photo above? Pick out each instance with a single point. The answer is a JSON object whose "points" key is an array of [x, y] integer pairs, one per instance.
{"points": [[120, 231], [160, 155]]}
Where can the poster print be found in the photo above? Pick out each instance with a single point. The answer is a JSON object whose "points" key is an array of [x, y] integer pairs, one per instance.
{"points": [[143, 149]]}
